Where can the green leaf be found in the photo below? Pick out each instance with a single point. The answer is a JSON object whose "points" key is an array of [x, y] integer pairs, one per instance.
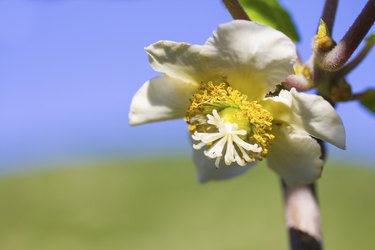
{"points": [[368, 100], [371, 39], [271, 13]]}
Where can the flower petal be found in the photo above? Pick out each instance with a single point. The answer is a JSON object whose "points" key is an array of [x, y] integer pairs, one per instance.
{"points": [[308, 112], [319, 118], [182, 61], [207, 171], [280, 107], [160, 98], [295, 156], [252, 57]]}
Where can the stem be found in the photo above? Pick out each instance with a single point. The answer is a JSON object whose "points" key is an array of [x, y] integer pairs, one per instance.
{"points": [[329, 13], [236, 10], [353, 37], [302, 217], [356, 61]]}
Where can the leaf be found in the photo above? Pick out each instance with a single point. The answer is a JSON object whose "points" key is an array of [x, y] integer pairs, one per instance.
{"points": [[271, 13], [368, 100], [371, 39]]}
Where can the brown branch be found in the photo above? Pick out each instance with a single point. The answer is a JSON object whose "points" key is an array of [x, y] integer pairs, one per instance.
{"points": [[329, 13], [338, 56], [302, 217], [236, 10], [356, 61]]}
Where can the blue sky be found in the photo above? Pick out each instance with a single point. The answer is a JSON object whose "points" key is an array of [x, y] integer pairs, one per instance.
{"points": [[68, 70]]}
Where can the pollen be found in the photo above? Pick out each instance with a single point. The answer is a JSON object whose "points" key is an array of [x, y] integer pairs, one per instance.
{"points": [[223, 121]]}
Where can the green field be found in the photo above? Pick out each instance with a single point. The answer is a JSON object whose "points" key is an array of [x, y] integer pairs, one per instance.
{"points": [[157, 204]]}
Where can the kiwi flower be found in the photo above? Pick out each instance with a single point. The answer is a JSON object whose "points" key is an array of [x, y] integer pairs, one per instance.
{"points": [[223, 90]]}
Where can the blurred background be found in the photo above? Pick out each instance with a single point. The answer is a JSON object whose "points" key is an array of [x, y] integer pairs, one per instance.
{"points": [[75, 175]]}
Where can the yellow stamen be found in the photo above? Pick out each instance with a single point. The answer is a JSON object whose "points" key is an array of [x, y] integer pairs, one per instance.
{"points": [[234, 108]]}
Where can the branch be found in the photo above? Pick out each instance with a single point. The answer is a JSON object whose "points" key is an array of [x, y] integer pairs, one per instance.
{"points": [[356, 61], [329, 13], [338, 56], [236, 10], [302, 217]]}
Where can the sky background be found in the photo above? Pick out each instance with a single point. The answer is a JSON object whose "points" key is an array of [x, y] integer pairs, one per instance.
{"points": [[68, 71]]}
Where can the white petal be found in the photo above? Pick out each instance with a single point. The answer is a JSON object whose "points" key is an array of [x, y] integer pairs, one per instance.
{"points": [[295, 156], [161, 98], [308, 112], [183, 61], [254, 58], [280, 107], [284, 97], [207, 171], [319, 118]]}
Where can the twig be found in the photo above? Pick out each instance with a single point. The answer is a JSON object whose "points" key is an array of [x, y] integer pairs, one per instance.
{"points": [[329, 13], [236, 10], [356, 61], [336, 58]]}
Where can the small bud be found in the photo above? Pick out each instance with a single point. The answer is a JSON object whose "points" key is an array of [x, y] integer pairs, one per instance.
{"points": [[323, 41], [302, 80]]}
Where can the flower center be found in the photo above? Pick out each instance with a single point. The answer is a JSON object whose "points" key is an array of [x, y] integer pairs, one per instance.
{"points": [[223, 121]]}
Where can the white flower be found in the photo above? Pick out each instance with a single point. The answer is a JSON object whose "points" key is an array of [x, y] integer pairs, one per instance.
{"points": [[221, 87]]}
